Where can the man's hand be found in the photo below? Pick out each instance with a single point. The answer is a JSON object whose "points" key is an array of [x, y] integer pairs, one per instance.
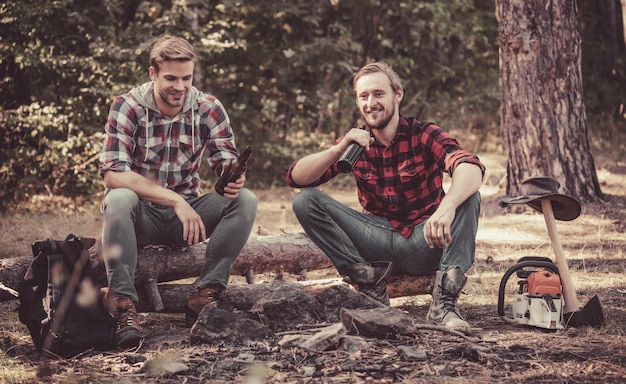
{"points": [[437, 228], [466, 181], [232, 189], [193, 227], [360, 136]]}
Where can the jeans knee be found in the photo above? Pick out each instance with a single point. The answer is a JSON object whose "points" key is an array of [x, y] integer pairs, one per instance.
{"points": [[475, 199], [302, 201], [247, 203], [248, 199], [472, 203], [119, 201]]}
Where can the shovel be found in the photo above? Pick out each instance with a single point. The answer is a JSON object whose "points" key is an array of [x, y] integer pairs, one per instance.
{"points": [[592, 313]]}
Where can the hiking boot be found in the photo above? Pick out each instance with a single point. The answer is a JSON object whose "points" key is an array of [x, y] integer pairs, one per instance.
{"points": [[128, 333], [443, 309], [371, 279], [198, 300]]}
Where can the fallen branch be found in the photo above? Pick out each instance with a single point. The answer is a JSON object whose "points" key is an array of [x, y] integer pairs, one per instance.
{"points": [[440, 328]]}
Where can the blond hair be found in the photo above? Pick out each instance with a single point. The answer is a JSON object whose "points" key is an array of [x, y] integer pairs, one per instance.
{"points": [[394, 79], [171, 48]]}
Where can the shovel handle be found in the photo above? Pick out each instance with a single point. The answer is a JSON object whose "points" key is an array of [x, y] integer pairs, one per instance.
{"points": [[569, 293]]}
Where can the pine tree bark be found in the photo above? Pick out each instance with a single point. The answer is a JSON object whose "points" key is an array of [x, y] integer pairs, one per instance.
{"points": [[542, 111]]}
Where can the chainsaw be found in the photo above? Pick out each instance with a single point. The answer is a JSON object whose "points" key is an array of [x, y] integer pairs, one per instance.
{"points": [[538, 301]]}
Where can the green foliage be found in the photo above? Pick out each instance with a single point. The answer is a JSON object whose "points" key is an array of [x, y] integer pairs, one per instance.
{"points": [[603, 69], [41, 153], [283, 70]]}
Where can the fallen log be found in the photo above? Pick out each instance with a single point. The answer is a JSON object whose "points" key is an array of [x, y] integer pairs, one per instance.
{"points": [[294, 253], [172, 297]]}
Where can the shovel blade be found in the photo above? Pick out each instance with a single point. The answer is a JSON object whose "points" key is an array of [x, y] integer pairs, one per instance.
{"points": [[591, 314]]}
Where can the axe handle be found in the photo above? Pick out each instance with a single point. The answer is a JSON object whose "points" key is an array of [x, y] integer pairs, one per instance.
{"points": [[569, 293]]}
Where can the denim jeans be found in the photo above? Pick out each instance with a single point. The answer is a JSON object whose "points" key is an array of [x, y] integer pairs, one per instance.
{"points": [[348, 236], [131, 223]]}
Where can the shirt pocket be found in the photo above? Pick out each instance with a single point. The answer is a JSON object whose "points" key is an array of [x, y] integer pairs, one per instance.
{"points": [[367, 179], [189, 146], [151, 149], [365, 174], [410, 170]]}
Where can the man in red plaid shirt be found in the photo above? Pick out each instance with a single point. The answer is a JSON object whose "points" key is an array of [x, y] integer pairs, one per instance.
{"points": [[408, 224], [156, 135]]}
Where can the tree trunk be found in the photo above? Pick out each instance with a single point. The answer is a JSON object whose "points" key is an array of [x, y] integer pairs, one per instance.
{"points": [[623, 2], [542, 110]]}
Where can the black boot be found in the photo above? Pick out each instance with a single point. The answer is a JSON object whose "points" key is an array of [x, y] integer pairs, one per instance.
{"points": [[371, 279]]}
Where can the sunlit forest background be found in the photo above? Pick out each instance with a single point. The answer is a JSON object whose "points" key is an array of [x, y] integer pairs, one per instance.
{"points": [[282, 68]]}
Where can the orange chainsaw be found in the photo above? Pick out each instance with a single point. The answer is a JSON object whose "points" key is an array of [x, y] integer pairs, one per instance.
{"points": [[538, 300]]}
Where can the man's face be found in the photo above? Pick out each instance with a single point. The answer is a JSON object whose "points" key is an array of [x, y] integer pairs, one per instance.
{"points": [[377, 102], [171, 85]]}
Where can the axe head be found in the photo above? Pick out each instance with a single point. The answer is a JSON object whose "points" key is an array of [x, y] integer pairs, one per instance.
{"points": [[591, 314]]}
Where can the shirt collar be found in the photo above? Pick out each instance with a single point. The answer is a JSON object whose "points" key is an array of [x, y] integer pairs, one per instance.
{"points": [[402, 133]]}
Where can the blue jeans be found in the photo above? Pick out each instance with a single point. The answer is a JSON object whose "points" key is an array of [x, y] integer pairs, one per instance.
{"points": [[348, 236], [131, 223]]}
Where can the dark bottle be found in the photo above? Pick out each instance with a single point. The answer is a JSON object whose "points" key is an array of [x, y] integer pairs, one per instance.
{"points": [[349, 157], [233, 171]]}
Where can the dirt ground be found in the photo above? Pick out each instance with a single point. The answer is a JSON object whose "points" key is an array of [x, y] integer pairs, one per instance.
{"points": [[594, 244]]}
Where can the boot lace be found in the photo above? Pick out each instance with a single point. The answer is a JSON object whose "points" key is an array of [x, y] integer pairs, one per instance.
{"points": [[449, 304]]}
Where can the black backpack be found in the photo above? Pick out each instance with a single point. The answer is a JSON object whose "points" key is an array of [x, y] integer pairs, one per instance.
{"points": [[60, 302]]}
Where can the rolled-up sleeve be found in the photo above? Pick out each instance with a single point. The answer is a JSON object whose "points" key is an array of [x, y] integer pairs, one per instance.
{"points": [[221, 142], [117, 149], [453, 159]]}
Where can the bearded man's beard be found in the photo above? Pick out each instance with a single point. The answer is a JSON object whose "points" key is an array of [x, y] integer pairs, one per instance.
{"points": [[378, 124], [171, 100]]}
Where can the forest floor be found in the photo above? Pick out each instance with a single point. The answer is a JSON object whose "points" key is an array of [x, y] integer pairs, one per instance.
{"points": [[594, 244]]}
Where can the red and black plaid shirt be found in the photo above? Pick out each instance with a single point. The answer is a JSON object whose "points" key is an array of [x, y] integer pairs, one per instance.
{"points": [[404, 181]]}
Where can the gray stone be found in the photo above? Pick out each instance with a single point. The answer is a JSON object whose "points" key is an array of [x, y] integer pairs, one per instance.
{"points": [[328, 338], [285, 307], [215, 325], [337, 297], [380, 323], [413, 354]]}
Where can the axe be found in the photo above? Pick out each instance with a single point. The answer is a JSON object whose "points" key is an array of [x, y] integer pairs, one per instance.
{"points": [[592, 313]]}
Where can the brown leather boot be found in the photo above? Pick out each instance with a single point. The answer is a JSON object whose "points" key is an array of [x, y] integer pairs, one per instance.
{"points": [[128, 333], [200, 299]]}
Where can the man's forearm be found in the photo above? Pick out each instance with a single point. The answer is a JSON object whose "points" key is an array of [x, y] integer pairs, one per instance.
{"points": [[466, 180], [142, 186], [312, 167]]}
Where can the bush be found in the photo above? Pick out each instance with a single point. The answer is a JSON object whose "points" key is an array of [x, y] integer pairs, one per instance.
{"points": [[43, 153]]}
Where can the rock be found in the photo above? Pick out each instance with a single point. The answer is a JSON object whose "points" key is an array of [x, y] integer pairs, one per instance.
{"points": [[408, 353], [285, 307], [337, 297], [354, 344], [327, 338], [215, 325], [380, 323]]}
